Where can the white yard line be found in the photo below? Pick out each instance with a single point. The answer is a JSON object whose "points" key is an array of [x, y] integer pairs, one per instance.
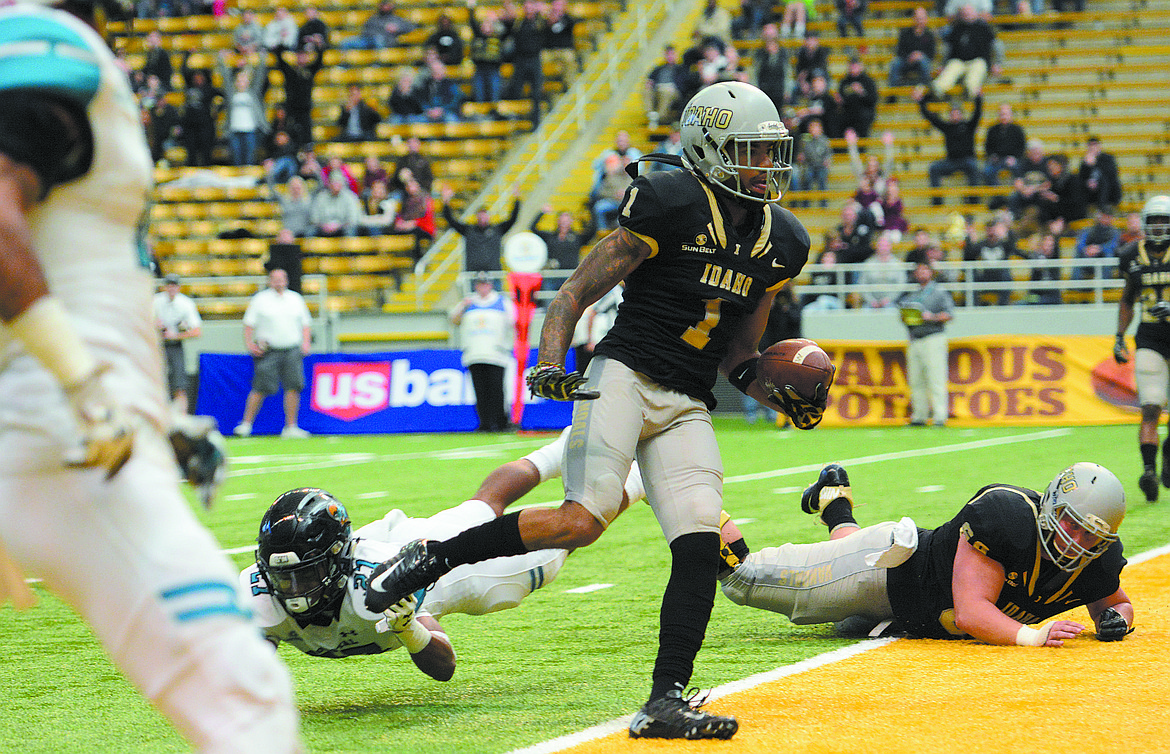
{"points": [[324, 461], [623, 722]]}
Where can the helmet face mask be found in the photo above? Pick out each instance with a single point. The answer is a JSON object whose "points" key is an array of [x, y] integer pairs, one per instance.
{"points": [[728, 129], [1156, 221], [304, 551], [1079, 515]]}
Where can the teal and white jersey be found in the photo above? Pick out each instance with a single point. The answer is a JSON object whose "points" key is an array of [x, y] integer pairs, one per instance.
{"points": [[63, 80]]}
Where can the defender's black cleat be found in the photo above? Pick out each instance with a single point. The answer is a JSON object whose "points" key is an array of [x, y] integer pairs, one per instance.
{"points": [[412, 569], [1148, 484], [833, 483], [676, 716]]}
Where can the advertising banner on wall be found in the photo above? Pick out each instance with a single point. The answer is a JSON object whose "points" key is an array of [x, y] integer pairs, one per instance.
{"points": [[366, 393], [1003, 380]]}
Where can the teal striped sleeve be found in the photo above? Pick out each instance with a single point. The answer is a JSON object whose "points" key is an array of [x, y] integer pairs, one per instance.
{"points": [[38, 52]]}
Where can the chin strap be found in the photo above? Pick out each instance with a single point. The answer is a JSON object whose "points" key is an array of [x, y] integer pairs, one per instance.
{"points": [[665, 159]]}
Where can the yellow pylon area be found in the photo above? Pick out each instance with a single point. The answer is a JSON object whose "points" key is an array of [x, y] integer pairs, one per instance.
{"points": [[963, 696]]}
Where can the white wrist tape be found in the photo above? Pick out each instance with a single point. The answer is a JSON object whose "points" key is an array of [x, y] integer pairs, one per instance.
{"points": [[1033, 637], [415, 637], [48, 334]]}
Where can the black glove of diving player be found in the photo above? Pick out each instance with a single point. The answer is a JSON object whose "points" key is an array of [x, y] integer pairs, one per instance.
{"points": [[1120, 351], [549, 380], [200, 451], [1111, 626], [805, 414]]}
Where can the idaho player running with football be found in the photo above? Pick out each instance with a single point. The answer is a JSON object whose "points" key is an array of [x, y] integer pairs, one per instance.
{"points": [[702, 252], [88, 485], [1010, 558], [308, 584], [1146, 268]]}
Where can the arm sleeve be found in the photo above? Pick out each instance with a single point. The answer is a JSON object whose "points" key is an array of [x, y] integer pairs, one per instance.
{"points": [[449, 216], [931, 117], [507, 224]]}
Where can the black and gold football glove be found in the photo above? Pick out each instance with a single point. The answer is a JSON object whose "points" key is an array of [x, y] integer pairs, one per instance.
{"points": [[805, 414], [1120, 351], [1111, 625], [549, 380]]}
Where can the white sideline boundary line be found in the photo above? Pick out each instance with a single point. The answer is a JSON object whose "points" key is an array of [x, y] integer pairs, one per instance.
{"points": [[623, 722], [1046, 434]]}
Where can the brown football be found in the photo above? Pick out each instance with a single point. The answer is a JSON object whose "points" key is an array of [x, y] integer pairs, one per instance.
{"points": [[798, 362]]}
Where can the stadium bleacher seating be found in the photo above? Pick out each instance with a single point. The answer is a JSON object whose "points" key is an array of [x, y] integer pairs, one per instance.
{"points": [[1068, 76]]}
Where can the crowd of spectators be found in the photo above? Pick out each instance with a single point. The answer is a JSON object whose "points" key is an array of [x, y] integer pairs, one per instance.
{"points": [[1050, 194], [1057, 204]]}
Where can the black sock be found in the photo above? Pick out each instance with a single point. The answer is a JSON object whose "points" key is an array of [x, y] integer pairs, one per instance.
{"points": [[838, 512], [497, 538], [686, 609], [1149, 452]]}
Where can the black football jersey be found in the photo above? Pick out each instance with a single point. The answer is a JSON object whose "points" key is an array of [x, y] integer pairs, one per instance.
{"points": [[1000, 522], [1147, 278], [683, 305]]}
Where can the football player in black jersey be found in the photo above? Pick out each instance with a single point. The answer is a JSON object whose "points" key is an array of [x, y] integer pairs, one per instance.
{"points": [[1010, 558], [1145, 266], [702, 252]]}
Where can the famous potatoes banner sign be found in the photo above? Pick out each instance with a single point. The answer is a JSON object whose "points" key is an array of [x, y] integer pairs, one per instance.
{"points": [[1003, 379]]}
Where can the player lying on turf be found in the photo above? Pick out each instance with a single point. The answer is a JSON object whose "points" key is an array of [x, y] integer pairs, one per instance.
{"points": [[1011, 557], [308, 585]]}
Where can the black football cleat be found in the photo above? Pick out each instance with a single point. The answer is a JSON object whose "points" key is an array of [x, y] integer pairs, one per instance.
{"points": [[676, 716], [1148, 484], [1165, 471], [833, 483], [412, 569]]}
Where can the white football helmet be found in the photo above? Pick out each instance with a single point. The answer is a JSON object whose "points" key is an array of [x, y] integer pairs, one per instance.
{"points": [[719, 127], [1085, 497], [1156, 220]]}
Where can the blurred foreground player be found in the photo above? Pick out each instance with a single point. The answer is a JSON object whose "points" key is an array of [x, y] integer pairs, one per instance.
{"points": [[702, 252], [88, 483], [1011, 557], [308, 585], [1146, 268]]}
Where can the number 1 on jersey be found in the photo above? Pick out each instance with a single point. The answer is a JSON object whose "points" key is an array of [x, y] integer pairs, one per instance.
{"points": [[699, 335]]}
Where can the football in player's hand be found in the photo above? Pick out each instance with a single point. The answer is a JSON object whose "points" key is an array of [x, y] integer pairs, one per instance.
{"points": [[798, 362]]}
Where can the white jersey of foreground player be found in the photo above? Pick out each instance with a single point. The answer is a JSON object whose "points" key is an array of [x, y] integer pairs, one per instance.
{"points": [[127, 553], [472, 589]]}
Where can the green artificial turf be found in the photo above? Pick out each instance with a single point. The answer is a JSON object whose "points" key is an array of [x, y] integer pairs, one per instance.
{"points": [[560, 662]]}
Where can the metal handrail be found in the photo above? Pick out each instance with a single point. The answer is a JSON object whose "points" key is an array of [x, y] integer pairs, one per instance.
{"points": [[959, 278]]}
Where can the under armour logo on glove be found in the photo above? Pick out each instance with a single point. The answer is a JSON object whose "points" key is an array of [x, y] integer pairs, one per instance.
{"points": [[549, 380], [805, 414]]}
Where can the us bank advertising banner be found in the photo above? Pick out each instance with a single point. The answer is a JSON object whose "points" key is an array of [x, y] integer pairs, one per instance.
{"points": [[367, 393], [1003, 380]]}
